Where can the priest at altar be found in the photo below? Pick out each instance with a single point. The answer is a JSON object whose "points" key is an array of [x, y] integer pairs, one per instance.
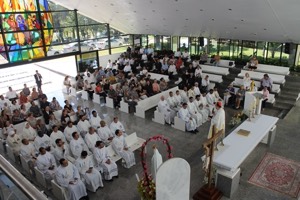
{"points": [[218, 120]]}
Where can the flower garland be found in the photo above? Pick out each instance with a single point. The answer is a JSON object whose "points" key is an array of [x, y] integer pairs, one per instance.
{"points": [[146, 185]]}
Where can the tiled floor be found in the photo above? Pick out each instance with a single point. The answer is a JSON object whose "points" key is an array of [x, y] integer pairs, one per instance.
{"points": [[188, 146]]}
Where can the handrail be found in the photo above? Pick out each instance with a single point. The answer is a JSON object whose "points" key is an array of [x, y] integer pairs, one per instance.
{"points": [[30, 190]]}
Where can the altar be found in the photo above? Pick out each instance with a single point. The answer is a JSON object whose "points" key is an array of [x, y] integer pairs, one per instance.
{"points": [[237, 147]]}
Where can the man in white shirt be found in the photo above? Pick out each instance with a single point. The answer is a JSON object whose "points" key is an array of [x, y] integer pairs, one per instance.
{"points": [[3, 101], [56, 134], [120, 146], [195, 63], [141, 50], [202, 108], [104, 132], [190, 123], [116, 124], [91, 138], [69, 130], [144, 57], [95, 119], [194, 112], [67, 176], [83, 125], [205, 83], [62, 151], [172, 69], [185, 55], [127, 68], [90, 176], [109, 64], [164, 108], [28, 132], [11, 94], [184, 95], [177, 54], [14, 142], [42, 140], [103, 161], [45, 162], [77, 145], [178, 98], [174, 105]]}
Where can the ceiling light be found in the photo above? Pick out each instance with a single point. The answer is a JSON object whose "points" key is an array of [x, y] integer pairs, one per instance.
{"points": [[235, 27], [130, 3], [134, 11], [177, 10], [153, 10], [186, 19], [112, 4], [201, 10], [265, 29], [230, 9], [242, 20], [212, 19], [164, 18]]}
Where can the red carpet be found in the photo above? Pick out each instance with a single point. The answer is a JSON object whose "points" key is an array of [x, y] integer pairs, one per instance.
{"points": [[279, 174]]}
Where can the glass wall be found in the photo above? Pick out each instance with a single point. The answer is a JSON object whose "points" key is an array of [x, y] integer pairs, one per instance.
{"points": [[174, 43], [224, 48]]}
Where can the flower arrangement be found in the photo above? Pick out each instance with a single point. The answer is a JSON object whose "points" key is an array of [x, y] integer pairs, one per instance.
{"points": [[236, 119], [146, 186]]}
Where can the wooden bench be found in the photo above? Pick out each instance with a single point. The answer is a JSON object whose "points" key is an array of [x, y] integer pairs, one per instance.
{"points": [[134, 142], [150, 102], [214, 70], [272, 69], [279, 79], [213, 77], [275, 87]]}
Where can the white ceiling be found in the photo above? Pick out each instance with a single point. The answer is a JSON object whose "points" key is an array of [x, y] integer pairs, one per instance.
{"points": [[258, 20]]}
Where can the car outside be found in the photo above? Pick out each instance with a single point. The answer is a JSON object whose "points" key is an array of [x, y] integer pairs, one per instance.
{"points": [[52, 51], [72, 47], [103, 43]]}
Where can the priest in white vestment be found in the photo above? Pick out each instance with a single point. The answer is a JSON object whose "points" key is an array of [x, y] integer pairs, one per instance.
{"points": [[201, 106], [120, 146], [77, 145], [95, 120], [83, 125], [184, 95], [89, 175], [196, 89], [174, 105], [28, 152], [62, 150], [56, 134], [28, 132], [104, 132], [178, 98], [69, 130], [103, 161], [91, 138], [42, 140], [190, 123], [117, 125], [67, 176], [14, 142], [218, 120], [164, 108], [211, 101], [194, 112], [156, 161], [46, 163]]}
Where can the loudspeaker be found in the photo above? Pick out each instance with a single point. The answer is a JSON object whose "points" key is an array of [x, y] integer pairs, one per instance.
{"points": [[287, 47], [201, 41]]}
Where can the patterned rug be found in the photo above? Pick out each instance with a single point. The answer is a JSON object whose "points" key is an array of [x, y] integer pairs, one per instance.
{"points": [[279, 174]]}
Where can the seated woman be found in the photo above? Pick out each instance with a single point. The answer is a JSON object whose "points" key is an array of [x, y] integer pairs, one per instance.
{"points": [[252, 64], [87, 87], [229, 95], [17, 117], [68, 107], [31, 120], [247, 81], [239, 97], [99, 90], [155, 87], [53, 121], [265, 97], [65, 118], [114, 95], [163, 84], [34, 94], [23, 109], [23, 98]]}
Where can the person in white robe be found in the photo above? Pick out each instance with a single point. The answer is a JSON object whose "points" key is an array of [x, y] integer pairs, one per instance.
{"points": [[13, 140], [194, 112], [105, 134], [178, 98], [197, 89], [89, 175], [28, 152], [218, 120], [173, 102], [156, 161], [28, 132], [56, 134], [103, 161], [46, 163], [120, 146], [191, 92], [62, 150], [69, 130], [83, 125], [164, 108], [91, 138], [117, 125], [95, 120], [42, 140], [202, 108], [190, 123], [216, 95], [210, 101], [184, 95], [67, 176], [77, 145]]}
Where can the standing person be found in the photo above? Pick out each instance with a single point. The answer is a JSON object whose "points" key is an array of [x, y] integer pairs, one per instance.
{"points": [[38, 79], [218, 120]]}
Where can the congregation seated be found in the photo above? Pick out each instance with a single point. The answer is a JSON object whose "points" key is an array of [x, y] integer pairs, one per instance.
{"points": [[62, 151], [13, 140], [190, 123], [26, 91], [11, 94], [54, 105], [42, 140], [46, 163], [164, 107], [113, 94], [29, 153], [34, 94], [31, 120], [46, 114], [252, 64], [265, 97], [40, 126], [22, 98], [229, 95], [91, 138], [247, 81], [35, 110], [77, 145], [69, 130], [56, 134], [266, 81], [44, 103], [104, 132], [14, 105], [117, 125], [23, 109], [95, 120], [100, 91], [69, 108], [83, 125], [55, 122], [17, 117]]}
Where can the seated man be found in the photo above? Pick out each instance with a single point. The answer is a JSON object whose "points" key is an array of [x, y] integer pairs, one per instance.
{"points": [[62, 151], [120, 146], [42, 140], [116, 124], [193, 110], [201, 106], [17, 117], [174, 105], [190, 123], [104, 132], [211, 100], [28, 152], [91, 138], [95, 120], [67, 176], [56, 134], [54, 105], [266, 81], [240, 95], [103, 161], [164, 108], [11, 94], [78, 145], [26, 90], [90, 176], [83, 125], [69, 130], [35, 110], [45, 162], [14, 142]]}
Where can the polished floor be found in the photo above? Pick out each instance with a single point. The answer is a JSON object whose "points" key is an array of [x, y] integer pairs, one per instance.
{"points": [[187, 146]]}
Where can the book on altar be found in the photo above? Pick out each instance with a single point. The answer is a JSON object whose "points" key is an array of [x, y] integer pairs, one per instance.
{"points": [[243, 132]]}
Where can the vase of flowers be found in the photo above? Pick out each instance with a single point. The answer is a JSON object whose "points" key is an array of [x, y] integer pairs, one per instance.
{"points": [[236, 119], [147, 188]]}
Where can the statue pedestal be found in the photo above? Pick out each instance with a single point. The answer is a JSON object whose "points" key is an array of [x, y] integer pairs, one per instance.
{"points": [[206, 193]]}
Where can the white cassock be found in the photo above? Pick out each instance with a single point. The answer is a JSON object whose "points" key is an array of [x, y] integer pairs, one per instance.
{"points": [[77, 146], [173, 103], [105, 133], [184, 96], [109, 170], [218, 121], [95, 121], [202, 109], [28, 133], [69, 131], [210, 102], [83, 126], [91, 139], [43, 162], [92, 180], [191, 93], [28, 151], [164, 108], [14, 143], [114, 126], [190, 124], [69, 173], [194, 113], [118, 144], [60, 153], [197, 91], [156, 161], [57, 135], [178, 99], [44, 141], [217, 96]]}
